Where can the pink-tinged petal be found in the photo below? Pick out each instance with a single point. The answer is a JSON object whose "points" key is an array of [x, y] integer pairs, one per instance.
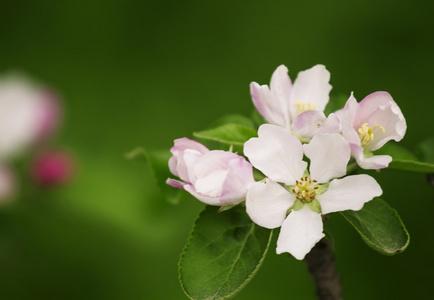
{"points": [[349, 193], [212, 183], [329, 155], [185, 153], [277, 154], [300, 232], [267, 203], [215, 201], [280, 86], [307, 124], [7, 183], [374, 162], [221, 176], [185, 163], [239, 179], [347, 117], [261, 96], [183, 144], [177, 184], [371, 103], [310, 90], [331, 125], [273, 103], [384, 116], [212, 161], [173, 164]]}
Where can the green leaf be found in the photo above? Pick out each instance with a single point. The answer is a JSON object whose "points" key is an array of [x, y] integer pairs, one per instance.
{"points": [[229, 134], [405, 160], [157, 162], [336, 102], [235, 119], [224, 252], [380, 227]]}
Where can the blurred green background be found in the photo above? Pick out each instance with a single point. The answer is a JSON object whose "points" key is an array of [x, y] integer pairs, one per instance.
{"points": [[141, 73]]}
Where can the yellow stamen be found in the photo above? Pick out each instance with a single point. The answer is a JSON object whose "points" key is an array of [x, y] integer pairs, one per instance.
{"points": [[366, 133], [301, 106], [305, 189]]}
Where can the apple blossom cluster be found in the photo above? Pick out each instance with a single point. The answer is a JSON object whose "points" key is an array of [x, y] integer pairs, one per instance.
{"points": [[29, 115], [303, 155]]}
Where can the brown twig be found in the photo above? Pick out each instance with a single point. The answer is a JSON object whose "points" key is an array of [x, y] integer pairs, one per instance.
{"points": [[321, 264]]}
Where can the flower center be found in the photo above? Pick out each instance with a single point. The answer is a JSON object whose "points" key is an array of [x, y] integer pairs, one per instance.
{"points": [[366, 133], [301, 106], [305, 189]]}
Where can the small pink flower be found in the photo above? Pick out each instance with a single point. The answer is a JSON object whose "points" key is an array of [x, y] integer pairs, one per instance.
{"points": [[369, 124], [52, 168], [281, 102], [214, 177]]}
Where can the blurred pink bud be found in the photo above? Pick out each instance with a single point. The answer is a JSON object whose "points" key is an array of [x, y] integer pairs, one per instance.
{"points": [[52, 168], [7, 184], [214, 177]]}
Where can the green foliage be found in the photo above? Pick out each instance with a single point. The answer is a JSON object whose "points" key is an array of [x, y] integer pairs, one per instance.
{"points": [[235, 119], [380, 227], [157, 162], [223, 253], [228, 134], [405, 160]]}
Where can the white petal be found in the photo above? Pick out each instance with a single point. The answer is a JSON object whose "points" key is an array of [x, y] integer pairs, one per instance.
{"points": [[267, 203], [347, 117], [273, 103], [211, 184], [240, 177], [349, 193], [267, 105], [375, 162], [329, 155], [312, 88], [215, 201], [277, 154], [300, 231]]}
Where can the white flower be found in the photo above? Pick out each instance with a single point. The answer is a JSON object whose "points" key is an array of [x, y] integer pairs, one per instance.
{"points": [[369, 124], [298, 107], [292, 197]]}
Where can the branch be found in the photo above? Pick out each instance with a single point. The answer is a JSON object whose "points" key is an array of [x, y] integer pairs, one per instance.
{"points": [[321, 264]]}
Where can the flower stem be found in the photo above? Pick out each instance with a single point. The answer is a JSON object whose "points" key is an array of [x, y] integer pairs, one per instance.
{"points": [[321, 264]]}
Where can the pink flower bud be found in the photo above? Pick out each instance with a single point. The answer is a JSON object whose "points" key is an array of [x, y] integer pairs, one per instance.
{"points": [[214, 177], [52, 168]]}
